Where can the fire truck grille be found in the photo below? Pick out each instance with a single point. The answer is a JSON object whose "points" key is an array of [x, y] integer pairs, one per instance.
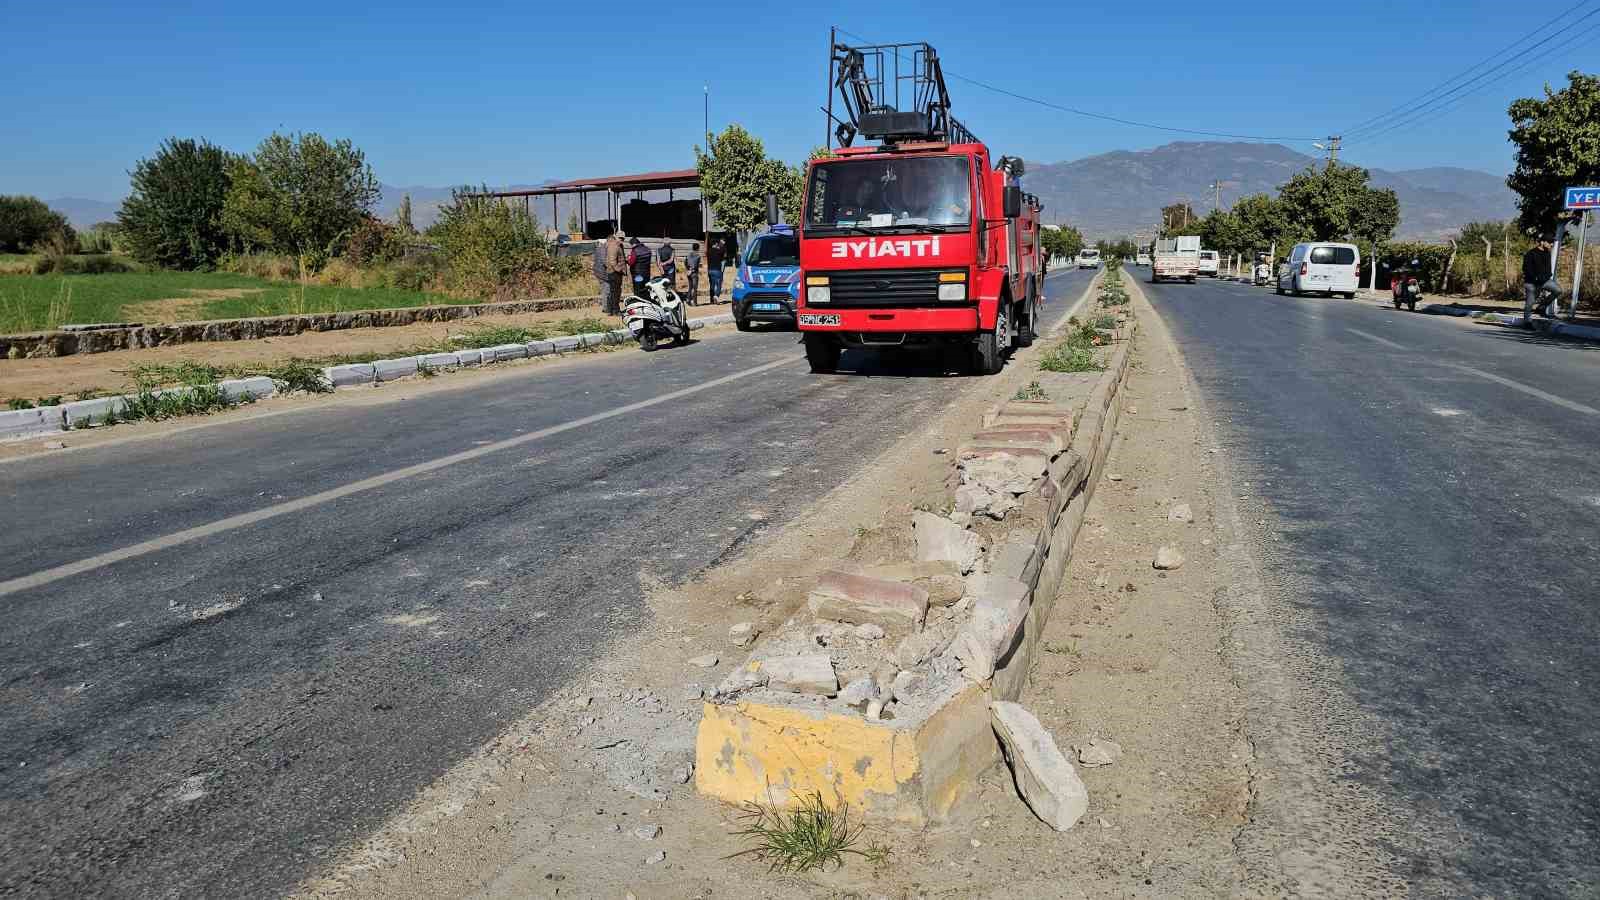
{"points": [[885, 287]]}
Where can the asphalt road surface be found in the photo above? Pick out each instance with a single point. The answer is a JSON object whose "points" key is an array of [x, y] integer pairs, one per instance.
{"points": [[1427, 492], [231, 652]]}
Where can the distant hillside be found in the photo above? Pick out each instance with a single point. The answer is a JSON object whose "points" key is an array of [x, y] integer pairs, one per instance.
{"points": [[1122, 192]]}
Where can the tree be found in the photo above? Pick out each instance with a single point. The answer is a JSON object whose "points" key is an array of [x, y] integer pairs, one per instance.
{"points": [[1061, 241], [402, 216], [173, 215], [1558, 146], [1262, 221], [489, 244], [300, 195], [573, 225], [1334, 203], [736, 176], [1178, 218], [1220, 231], [28, 222]]}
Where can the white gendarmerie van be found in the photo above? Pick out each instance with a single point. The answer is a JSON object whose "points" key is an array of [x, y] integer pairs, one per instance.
{"points": [[1322, 268]]}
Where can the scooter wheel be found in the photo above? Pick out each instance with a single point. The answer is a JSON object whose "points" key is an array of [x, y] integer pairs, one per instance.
{"points": [[647, 340]]}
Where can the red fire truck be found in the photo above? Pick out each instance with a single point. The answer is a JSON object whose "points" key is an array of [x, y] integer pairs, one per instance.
{"points": [[923, 239]]}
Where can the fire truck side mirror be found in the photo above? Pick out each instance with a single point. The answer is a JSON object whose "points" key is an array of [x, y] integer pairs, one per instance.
{"points": [[772, 209], [1011, 201]]}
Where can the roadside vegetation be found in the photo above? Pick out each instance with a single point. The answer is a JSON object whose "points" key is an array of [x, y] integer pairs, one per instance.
{"points": [[810, 835]]}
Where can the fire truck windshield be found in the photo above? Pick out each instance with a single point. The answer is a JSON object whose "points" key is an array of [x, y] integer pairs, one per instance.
{"points": [[920, 193]]}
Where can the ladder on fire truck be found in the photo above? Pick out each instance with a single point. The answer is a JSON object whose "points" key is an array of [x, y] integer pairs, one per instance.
{"points": [[892, 93]]}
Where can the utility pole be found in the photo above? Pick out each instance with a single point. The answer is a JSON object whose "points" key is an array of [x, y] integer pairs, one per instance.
{"points": [[1333, 150], [1216, 201]]}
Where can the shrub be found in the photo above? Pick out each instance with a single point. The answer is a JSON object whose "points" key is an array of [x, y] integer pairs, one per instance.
{"points": [[93, 264], [269, 266], [375, 242], [492, 248], [299, 195], [1066, 358], [173, 216], [27, 223]]}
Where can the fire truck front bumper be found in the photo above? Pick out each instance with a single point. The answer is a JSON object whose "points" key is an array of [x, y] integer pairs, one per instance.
{"points": [[860, 327]]}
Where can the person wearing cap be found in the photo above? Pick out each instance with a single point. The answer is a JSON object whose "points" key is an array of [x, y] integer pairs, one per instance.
{"points": [[1536, 273], [616, 268], [716, 256]]}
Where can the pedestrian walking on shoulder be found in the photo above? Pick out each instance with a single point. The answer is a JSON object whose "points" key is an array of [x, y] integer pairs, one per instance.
{"points": [[669, 266], [691, 267], [602, 276], [716, 254], [616, 270], [639, 261], [1536, 272]]}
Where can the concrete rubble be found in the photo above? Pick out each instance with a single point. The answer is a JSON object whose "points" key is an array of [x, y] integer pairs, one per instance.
{"points": [[1098, 753], [809, 674], [862, 599], [1044, 777], [938, 539], [1168, 558], [1180, 512]]}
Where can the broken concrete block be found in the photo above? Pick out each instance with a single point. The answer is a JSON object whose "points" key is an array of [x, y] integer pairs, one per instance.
{"points": [[920, 647], [1013, 556], [977, 500], [1044, 777], [859, 691], [1180, 513], [1037, 413], [742, 634], [938, 538], [940, 578], [1098, 753], [906, 684], [973, 652], [747, 677], [999, 608], [1168, 558], [704, 662], [869, 631], [811, 673], [860, 599], [1001, 469], [1015, 437]]}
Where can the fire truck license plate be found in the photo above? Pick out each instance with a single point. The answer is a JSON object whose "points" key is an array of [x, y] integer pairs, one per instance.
{"points": [[814, 319]]}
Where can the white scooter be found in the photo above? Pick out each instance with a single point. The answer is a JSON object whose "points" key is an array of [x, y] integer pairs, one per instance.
{"points": [[661, 315]]}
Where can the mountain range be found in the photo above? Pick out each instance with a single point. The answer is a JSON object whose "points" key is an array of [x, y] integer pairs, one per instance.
{"points": [[1108, 195], [1122, 192]]}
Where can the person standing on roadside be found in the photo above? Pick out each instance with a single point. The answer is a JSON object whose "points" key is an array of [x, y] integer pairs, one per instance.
{"points": [[639, 261], [616, 268], [715, 255], [1536, 272], [669, 266], [691, 267], [602, 276]]}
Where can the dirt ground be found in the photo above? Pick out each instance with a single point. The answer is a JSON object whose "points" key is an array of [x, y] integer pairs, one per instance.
{"points": [[1132, 655], [67, 375]]}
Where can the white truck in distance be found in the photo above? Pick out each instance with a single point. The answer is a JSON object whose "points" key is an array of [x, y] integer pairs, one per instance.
{"points": [[1177, 257], [1210, 263]]}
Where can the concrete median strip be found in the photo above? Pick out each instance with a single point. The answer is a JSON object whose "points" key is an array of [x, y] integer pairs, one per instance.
{"points": [[912, 761]]}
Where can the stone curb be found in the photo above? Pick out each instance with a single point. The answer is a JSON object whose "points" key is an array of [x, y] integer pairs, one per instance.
{"points": [[752, 751], [1553, 327], [400, 367], [21, 424]]}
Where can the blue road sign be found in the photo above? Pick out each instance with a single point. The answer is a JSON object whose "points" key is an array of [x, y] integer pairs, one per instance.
{"points": [[1583, 198]]}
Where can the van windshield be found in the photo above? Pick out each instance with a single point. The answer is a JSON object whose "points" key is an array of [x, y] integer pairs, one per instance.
{"points": [[1333, 256], [773, 250], [921, 193]]}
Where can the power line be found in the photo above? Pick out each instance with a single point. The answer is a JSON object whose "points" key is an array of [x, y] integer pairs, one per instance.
{"points": [[1428, 115], [1433, 97], [1094, 115]]}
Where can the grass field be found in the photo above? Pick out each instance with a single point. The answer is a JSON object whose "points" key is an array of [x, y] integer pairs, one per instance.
{"points": [[37, 302]]}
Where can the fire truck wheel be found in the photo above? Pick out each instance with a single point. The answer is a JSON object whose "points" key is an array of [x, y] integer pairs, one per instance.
{"points": [[988, 355], [822, 353], [1026, 332]]}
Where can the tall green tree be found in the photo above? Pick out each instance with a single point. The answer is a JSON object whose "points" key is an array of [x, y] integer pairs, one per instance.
{"points": [[173, 215], [736, 175], [1335, 203], [1061, 241], [1558, 146], [1262, 221], [27, 222], [1220, 231], [300, 194]]}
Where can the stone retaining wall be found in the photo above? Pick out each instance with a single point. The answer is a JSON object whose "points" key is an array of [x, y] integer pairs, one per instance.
{"points": [[42, 344], [906, 742]]}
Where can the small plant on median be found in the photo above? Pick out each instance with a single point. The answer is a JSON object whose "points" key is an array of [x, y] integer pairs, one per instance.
{"points": [[1105, 321], [299, 375], [19, 403], [1066, 358], [1032, 392], [812, 835]]}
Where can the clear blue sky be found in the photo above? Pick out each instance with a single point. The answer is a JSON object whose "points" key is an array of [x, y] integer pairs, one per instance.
{"points": [[440, 94]]}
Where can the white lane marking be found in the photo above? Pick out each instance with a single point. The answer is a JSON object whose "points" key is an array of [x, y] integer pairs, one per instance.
{"points": [[1373, 337], [1528, 389], [102, 560], [1445, 411]]}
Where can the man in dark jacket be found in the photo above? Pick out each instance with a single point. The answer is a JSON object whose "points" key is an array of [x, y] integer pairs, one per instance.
{"points": [[1536, 272], [669, 266], [639, 261], [715, 255], [691, 266]]}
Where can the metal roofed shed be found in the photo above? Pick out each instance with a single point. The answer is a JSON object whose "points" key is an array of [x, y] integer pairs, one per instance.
{"points": [[683, 219]]}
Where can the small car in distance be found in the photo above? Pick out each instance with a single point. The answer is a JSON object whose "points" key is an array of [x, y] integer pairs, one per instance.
{"points": [[1089, 258], [1141, 259]]}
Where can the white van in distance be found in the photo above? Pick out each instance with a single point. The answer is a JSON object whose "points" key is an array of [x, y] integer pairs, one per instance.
{"points": [[1089, 259], [1210, 264], [1322, 268]]}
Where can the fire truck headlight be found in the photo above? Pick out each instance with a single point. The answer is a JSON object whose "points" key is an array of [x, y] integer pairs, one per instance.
{"points": [[818, 294], [952, 292]]}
